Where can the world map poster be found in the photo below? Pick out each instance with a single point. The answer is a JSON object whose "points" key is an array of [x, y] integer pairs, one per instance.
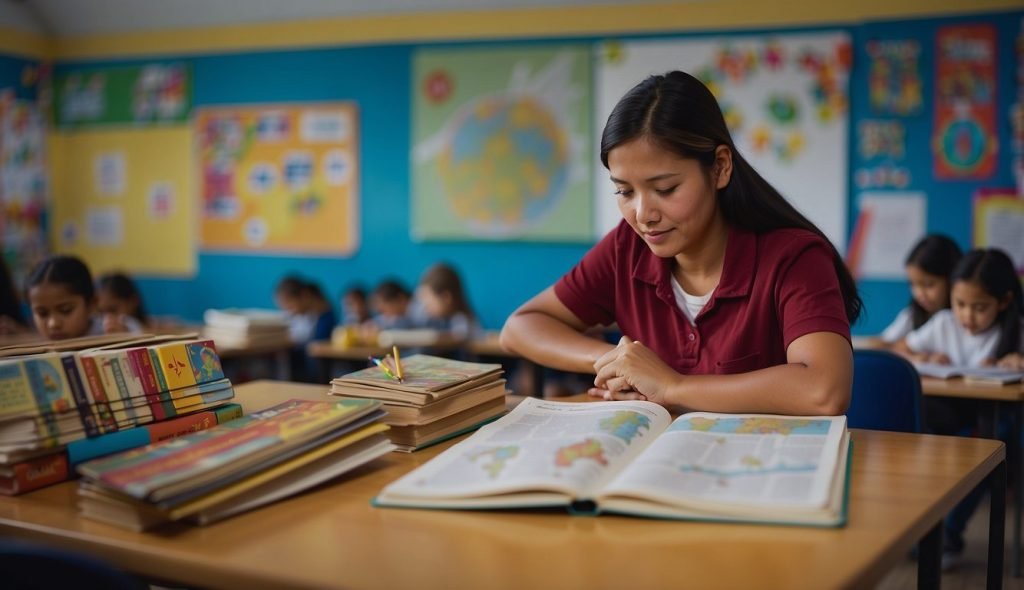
{"points": [[502, 144]]}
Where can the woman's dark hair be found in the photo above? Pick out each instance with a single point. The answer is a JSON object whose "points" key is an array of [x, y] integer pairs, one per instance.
{"points": [[64, 270], [122, 286], [935, 254], [443, 278], [677, 112], [993, 271], [10, 306]]}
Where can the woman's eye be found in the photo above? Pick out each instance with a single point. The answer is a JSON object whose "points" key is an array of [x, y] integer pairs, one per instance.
{"points": [[623, 192], [665, 191]]}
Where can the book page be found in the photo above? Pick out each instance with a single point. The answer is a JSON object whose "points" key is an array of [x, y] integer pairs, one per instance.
{"points": [[717, 460], [541, 445]]}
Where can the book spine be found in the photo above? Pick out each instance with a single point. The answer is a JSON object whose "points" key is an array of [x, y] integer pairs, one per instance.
{"points": [[83, 450], [81, 399], [35, 473], [114, 365], [174, 363], [99, 393], [16, 394], [153, 397], [147, 373], [154, 360]]}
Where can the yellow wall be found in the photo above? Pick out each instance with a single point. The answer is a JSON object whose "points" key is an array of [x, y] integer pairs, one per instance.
{"points": [[534, 22]]}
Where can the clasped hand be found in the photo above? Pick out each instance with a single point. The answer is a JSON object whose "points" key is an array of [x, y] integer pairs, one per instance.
{"points": [[632, 371]]}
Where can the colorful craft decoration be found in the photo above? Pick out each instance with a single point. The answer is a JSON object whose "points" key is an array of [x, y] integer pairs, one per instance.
{"points": [[894, 77]]}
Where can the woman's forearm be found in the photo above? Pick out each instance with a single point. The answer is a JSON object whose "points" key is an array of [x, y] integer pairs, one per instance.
{"points": [[548, 341], [783, 389]]}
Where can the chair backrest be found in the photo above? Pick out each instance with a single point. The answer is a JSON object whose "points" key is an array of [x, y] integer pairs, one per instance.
{"points": [[886, 393]]}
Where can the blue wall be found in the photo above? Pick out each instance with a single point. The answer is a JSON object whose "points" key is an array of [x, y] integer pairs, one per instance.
{"points": [[499, 276], [949, 208]]}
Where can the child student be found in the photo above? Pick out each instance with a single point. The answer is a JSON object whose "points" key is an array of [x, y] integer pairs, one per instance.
{"points": [[982, 328], [355, 309], [390, 302], [443, 303], [310, 316], [928, 266], [63, 302], [11, 321], [117, 294]]}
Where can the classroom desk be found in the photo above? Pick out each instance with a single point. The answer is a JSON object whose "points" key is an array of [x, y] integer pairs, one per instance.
{"points": [[277, 350], [901, 487], [489, 346], [1010, 397], [355, 357]]}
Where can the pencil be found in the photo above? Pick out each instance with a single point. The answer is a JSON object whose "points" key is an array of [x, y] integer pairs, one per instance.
{"points": [[398, 362], [384, 368]]}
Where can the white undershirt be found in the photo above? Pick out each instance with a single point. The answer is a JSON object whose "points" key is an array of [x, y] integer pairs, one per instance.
{"points": [[689, 304]]}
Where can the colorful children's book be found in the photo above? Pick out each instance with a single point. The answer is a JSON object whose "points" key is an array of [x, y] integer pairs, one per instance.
{"points": [[632, 458], [32, 474], [426, 378], [172, 468], [86, 449]]}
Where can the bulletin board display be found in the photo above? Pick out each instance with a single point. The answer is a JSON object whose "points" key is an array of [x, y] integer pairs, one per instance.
{"points": [[279, 178], [999, 223], [122, 199], [23, 185], [784, 98], [148, 94]]}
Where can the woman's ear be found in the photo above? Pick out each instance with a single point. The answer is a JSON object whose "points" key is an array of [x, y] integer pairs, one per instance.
{"points": [[1005, 300], [722, 168]]}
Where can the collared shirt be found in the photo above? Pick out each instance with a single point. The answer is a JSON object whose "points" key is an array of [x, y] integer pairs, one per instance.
{"points": [[775, 287], [943, 333]]}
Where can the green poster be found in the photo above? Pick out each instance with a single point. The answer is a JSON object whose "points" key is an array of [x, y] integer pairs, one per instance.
{"points": [[136, 95], [502, 144]]}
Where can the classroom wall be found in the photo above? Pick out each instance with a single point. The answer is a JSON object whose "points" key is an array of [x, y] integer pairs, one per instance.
{"points": [[499, 276]]}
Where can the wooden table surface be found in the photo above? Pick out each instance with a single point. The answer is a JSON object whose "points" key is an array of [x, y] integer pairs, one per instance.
{"points": [[901, 486]]}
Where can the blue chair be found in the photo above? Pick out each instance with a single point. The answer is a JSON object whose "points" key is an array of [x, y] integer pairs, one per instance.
{"points": [[886, 393]]}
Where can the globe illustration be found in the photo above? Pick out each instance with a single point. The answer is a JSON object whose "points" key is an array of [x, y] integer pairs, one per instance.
{"points": [[506, 164]]}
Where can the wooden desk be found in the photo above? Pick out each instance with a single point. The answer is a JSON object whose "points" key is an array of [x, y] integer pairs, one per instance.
{"points": [[1011, 399], [902, 485]]}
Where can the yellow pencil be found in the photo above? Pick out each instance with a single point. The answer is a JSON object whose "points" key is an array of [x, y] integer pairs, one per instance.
{"points": [[398, 363]]}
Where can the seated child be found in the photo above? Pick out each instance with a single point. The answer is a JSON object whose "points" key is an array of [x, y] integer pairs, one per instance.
{"points": [[118, 295], [63, 302], [11, 320], [444, 305], [928, 265], [355, 309], [390, 303]]}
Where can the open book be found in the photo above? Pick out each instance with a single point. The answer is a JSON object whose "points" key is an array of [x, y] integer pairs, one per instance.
{"points": [[979, 375], [632, 458]]}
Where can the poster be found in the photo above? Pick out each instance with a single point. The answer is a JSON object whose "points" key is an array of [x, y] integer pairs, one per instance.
{"points": [[502, 144], [784, 98], [24, 190], [887, 227], [894, 77], [279, 178], [999, 223], [121, 232], [156, 93], [964, 139]]}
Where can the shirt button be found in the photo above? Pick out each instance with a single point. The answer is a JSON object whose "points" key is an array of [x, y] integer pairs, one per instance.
{"points": [[691, 337]]}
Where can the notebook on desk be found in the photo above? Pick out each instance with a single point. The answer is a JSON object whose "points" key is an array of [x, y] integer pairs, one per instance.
{"points": [[978, 375]]}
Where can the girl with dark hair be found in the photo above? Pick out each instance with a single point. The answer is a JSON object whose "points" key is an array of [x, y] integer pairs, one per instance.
{"points": [[11, 321], [984, 325], [728, 298], [117, 294], [928, 265], [445, 306], [63, 301]]}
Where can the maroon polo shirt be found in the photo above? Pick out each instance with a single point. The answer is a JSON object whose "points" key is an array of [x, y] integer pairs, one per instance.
{"points": [[775, 287]]}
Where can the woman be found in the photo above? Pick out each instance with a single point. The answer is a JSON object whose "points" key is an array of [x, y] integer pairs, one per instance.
{"points": [[729, 299]]}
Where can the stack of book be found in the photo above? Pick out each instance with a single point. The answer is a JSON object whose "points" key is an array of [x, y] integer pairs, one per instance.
{"points": [[241, 328], [64, 404], [257, 459], [437, 398]]}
